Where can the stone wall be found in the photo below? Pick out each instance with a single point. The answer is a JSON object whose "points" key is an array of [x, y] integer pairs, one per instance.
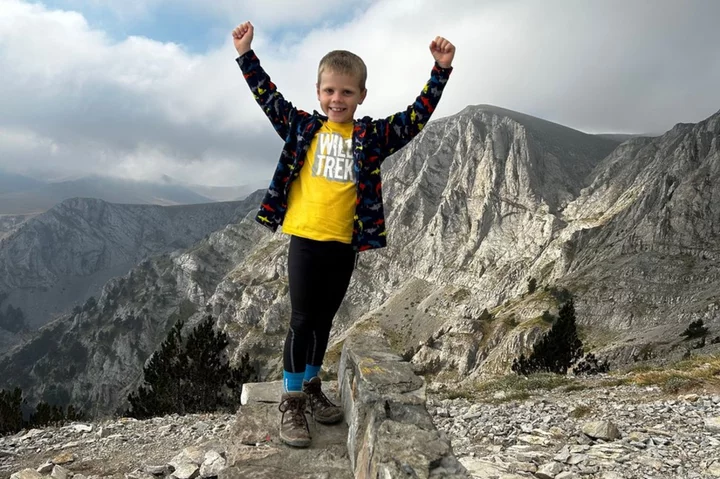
{"points": [[391, 434]]}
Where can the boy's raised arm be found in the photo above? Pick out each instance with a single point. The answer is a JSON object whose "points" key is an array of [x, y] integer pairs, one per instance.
{"points": [[277, 109], [398, 129]]}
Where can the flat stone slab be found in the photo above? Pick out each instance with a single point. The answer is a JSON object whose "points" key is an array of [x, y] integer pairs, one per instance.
{"points": [[269, 392], [378, 370], [485, 469], [257, 451], [388, 376]]}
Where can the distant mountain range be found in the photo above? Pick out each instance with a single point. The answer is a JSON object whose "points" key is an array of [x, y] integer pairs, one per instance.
{"points": [[621, 137], [11, 183], [21, 195], [59, 258], [219, 193]]}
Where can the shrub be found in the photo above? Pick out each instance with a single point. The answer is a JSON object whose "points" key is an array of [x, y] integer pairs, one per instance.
{"points": [[591, 365], [696, 329]]}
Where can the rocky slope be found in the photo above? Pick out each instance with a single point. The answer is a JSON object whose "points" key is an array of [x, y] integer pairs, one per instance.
{"points": [[58, 259], [635, 244], [607, 433], [93, 357], [477, 205], [9, 222]]}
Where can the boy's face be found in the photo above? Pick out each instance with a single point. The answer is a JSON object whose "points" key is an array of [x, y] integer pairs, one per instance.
{"points": [[339, 95]]}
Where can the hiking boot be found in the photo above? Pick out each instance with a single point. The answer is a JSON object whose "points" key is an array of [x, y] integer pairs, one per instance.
{"points": [[294, 429], [321, 408]]}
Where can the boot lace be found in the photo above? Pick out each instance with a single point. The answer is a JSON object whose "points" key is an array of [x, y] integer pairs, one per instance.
{"points": [[296, 408], [317, 397]]}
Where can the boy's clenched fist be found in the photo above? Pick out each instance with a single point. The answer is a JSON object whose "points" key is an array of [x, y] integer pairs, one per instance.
{"points": [[242, 37]]}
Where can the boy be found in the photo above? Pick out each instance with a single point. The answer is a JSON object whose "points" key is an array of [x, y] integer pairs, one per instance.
{"points": [[333, 209]]}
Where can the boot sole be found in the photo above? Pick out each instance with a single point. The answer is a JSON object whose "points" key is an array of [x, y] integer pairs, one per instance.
{"points": [[328, 421], [296, 442]]}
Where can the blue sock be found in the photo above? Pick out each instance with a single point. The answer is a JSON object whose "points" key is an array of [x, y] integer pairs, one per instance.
{"points": [[292, 381], [311, 371]]}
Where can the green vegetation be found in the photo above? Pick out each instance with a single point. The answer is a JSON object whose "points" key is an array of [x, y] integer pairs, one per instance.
{"points": [[580, 411], [191, 376], [11, 413], [557, 350], [591, 365], [12, 319], [532, 285], [700, 373], [681, 376], [695, 330], [462, 294]]}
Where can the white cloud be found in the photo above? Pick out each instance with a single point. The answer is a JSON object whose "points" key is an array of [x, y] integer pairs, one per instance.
{"points": [[107, 101], [20, 140], [73, 99], [150, 162]]}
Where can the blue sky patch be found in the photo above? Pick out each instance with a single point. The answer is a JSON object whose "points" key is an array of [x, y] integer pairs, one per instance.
{"points": [[189, 26]]}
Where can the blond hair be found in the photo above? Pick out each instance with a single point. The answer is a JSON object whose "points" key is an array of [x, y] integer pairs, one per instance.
{"points": [[344, 63]]}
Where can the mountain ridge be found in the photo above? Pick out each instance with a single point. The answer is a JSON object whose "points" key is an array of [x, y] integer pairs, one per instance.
{"points": [[43, 196], [61, 257], [476, 205]]}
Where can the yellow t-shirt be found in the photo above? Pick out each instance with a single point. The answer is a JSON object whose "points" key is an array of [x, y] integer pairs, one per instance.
{"points": [[321, 202]]}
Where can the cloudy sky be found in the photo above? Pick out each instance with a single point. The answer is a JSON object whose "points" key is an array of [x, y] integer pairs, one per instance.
{"points": [[145, 88]]}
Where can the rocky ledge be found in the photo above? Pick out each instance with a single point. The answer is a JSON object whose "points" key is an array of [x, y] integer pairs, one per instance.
{"points": [[387, 433], [623, 432]]}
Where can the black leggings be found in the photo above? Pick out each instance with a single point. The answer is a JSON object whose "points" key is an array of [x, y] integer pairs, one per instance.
{"points": [[318, 274]]}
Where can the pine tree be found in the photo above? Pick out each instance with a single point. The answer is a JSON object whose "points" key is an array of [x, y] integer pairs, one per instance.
{"points": [[532, 285], [557, 350], [163, 378], [73, 414], [11, 418], [591, 365], [207, 371], [47, 415], [242, 373], [190, 376]]}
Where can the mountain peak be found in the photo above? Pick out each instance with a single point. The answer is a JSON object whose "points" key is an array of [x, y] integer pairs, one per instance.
{"points": [[500, 111], [543, 128]]}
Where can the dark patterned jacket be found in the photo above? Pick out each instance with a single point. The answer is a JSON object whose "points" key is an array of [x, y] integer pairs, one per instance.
{"points": [[373, 141]]}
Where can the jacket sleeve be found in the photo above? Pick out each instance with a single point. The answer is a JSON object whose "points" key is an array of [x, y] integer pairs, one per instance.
{"points": [[278, 110], [397, 130]]}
